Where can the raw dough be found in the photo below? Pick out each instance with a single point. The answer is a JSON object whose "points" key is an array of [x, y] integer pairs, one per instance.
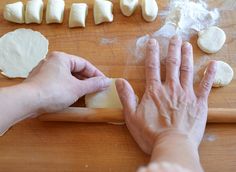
{"points": [[128, 6], [55, 11], [20, 51], [14, 12], [34, 11], [103, 11], [149, 10], [105, 99], [211, 40], [224, 74], [78, 14]]}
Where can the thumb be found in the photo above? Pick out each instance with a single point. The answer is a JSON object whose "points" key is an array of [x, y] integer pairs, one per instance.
{"points": [[127, 96], [94, 84]]}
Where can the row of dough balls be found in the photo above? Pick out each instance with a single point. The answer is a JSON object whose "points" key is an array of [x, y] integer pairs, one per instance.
{"points": [[55, 11]]}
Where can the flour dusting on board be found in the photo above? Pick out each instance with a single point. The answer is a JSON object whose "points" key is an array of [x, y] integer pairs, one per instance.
{"points": [[184, 18], [106, 41]]}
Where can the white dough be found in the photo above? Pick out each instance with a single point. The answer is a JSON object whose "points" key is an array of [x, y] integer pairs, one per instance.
{"points": [[78, 14], [14, 12], [55, 11], [105, 99], [128, 6], [20, 51], [103, 11], [224, 74], [34, 11], [211, 40], [149, 10]]}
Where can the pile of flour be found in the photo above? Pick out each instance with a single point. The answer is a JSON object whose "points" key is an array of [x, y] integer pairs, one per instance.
{"points": [[184, 17]]}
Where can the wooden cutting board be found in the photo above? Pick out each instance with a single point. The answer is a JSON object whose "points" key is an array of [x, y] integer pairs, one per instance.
{"points": [[46, 146]]}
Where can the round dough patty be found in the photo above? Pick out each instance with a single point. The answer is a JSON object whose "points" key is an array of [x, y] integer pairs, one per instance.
{"points": [[20, 51], [224, 74], [211, 40]]}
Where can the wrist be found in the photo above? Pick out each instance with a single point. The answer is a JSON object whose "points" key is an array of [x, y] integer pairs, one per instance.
{"points": [[31, 98], [174, 141]]}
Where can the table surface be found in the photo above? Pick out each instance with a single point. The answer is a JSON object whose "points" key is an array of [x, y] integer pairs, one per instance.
{"points": [[47, 146]]}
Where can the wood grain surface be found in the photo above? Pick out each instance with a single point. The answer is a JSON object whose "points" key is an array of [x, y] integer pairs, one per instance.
{"points": [[33, 145]]}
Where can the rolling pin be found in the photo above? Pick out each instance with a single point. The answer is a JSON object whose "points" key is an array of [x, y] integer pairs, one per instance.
{"points": [[76, 114]]}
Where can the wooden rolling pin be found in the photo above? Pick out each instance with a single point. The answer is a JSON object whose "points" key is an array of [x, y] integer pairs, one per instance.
{"points": [[75, 114]]}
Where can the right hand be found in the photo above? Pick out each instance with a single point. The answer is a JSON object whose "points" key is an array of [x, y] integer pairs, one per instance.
{"points": [[172, 107], [61, 79]]}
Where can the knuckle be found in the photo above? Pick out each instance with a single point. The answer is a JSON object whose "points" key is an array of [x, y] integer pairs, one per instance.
{"points": [[186, 68], [206, 85], [172, 61]]}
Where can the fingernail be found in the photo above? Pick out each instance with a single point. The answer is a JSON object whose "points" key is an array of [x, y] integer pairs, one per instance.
{"points": [[152, 42], [187, 44]]}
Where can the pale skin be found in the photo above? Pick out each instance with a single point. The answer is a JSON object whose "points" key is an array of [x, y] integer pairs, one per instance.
{"points": [[168, 123]]}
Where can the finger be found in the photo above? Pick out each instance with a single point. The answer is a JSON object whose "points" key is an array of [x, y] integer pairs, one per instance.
{"points": [[94, 84], [173, 59], [127, 96], [186, 68], [152, 64], [82, 66], [207, 81]]}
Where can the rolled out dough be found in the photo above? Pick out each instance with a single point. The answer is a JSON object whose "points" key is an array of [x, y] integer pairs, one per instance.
{"points": [[211, 40], [20, 51], [224, 74], [108, 98]]}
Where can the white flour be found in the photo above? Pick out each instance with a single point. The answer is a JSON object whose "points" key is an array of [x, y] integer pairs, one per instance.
{"points": [[184, 18]]}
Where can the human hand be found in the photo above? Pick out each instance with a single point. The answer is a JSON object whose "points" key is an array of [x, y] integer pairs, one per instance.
{"points": [[61, 79], [172, 106], [163, 167]]}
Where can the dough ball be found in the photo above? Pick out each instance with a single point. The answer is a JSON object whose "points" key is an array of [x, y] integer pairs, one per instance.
{"points": [[103, 11], [55, 11], [149, 10], [105, 99], [20, 51], [34, 11], [224, 74], [211, 40], [14, 12], [78, 14], [128, 6]]}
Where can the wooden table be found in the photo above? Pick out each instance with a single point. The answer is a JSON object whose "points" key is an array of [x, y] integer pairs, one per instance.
{"points": [[46, 146]]}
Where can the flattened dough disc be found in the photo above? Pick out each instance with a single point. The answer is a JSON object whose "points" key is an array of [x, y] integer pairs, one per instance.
{"points": [[20, 51]]}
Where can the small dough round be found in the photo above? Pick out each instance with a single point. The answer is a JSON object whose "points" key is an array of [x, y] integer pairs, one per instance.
{"points": [[14, 12], [128, 6], [149, 10], [102, 11], [78, 14], [211, 40], [34, 11], [55, 11], [20, 51], [224, 74], [108, 98]]}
